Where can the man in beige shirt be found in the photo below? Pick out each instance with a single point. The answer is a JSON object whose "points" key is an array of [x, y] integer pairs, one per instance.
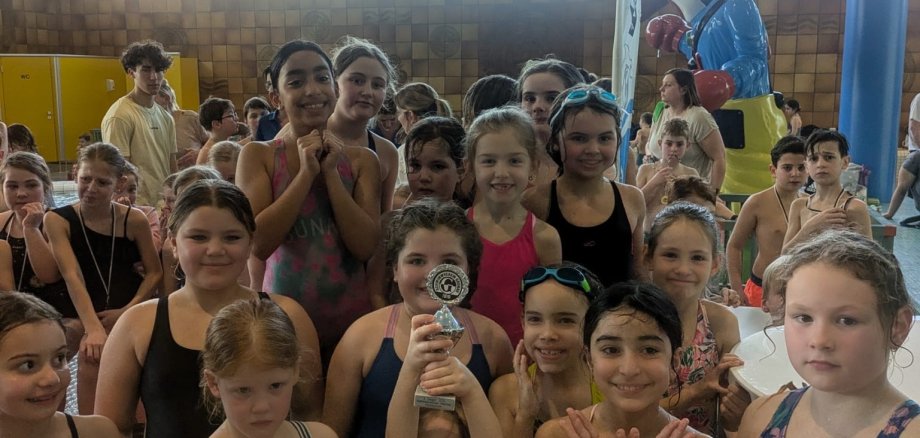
{"points": [[144, 131]]}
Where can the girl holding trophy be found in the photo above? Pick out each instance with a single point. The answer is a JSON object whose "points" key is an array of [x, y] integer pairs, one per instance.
{"points": [[420, 237]]}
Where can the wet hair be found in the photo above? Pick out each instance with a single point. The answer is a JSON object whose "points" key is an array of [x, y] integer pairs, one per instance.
{"points": [[289, 48], [684, 79], [789, 144], [212, 193], [192, 174], [489, 92], [793, 105], [253, 331], [256, 102], [641, 297], [17, 309], [447, 130], [167, 91], [500, 119], [34, 164], [422, 100], [21, 135], [429, 214], [823, 135], [676, 128], [224, 152], [647, 118], [212, 110], [567, 73], [604, 83], [683, 211], [808, 130], [106, 153], [147, 50], [351, 48], [862, 258], [593, 281], [560, 114], [686, 186], [388, 107]]}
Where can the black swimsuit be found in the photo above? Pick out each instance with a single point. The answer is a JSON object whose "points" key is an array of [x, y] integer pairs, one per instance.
{"points": [[605, 249]]}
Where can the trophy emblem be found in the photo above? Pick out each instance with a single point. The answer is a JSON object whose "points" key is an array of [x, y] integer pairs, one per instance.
{"points": [[448, 285]]}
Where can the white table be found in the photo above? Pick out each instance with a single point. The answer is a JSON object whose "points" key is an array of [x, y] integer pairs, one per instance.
{"points": [[767, 367]]}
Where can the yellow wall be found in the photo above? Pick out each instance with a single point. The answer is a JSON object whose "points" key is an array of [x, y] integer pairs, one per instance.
{"points": [[28, 90], [85, 97], [190, 97]]}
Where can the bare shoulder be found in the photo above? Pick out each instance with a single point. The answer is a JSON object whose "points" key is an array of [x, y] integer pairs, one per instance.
{"points": [[95, 426], [758, 414], [552, 429], [544, 231], [361, 156], [256, 150], [504, 390], [384, 146], [320, 430], [536, 199], [724, 323], [632, 195], [367, 328]]}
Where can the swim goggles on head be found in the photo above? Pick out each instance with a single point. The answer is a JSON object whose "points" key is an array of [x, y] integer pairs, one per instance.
{"points": [[571, 277], [583, 94]]}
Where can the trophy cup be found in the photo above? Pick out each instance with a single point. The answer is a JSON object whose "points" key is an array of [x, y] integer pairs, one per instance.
{"points": [[448, 285]]}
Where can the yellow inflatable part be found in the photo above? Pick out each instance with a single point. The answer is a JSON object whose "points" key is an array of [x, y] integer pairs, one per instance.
{"points": [[748, 170]]}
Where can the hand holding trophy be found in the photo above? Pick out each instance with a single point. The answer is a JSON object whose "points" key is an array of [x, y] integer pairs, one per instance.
{"points": [[448, 285]]}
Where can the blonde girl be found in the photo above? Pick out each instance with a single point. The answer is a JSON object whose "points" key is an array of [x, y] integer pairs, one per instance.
{"points": [[681, 256], [503, 159], [317, 202], [34, 376], [365, 78], [599, 221], [250, 366], [223, 157], [846, 311], [155, 347], [27, 191], [631, 330], [99, 245], [555, 299], [366, 364]]}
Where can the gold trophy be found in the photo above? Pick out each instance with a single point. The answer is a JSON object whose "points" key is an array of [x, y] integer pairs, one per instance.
{"points": [[448, 285]]}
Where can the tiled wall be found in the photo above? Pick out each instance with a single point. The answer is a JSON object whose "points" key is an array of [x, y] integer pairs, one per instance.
{"points": [[447, 43]]}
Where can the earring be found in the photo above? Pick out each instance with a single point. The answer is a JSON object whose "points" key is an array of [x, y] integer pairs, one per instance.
{"points": [[178, 272]]}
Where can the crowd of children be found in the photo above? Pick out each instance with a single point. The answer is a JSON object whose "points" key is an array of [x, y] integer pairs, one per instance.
{"points": [[280, 289]]}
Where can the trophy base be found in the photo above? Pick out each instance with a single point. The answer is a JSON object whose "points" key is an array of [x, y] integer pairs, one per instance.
{"points": [[441, 402]]}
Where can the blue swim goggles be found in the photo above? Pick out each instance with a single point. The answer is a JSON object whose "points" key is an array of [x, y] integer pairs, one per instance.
{"points": [[582, 95], [568, 276]]}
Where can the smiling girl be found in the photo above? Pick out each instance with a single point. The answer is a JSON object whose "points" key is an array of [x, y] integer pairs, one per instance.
{"points": [[317, 203]]}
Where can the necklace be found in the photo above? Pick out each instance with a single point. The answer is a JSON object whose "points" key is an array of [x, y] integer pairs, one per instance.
{"points": [[25, 252], [105, 284], [781, 205]]}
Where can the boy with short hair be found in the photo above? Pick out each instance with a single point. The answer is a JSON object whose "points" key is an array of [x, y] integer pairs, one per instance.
{"points": [[143, 131], [653, 178], [645, 129], [218, 117], [766, 215], [827, 155]]}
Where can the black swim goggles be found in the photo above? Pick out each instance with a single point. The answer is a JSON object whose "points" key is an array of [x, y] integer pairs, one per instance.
{"points": [[568, 276]]}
